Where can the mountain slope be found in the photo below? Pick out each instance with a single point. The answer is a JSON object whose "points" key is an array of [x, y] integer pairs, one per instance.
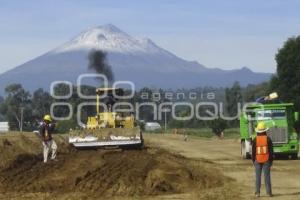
{"points": [[140, 61]]}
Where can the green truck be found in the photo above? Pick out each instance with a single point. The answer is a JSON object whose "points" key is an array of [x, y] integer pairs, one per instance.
{"points": [[280, 118]]}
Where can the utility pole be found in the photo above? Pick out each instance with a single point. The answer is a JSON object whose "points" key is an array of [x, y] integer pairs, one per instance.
{"points": [[21, 120], [165, 121], [165, 110]]}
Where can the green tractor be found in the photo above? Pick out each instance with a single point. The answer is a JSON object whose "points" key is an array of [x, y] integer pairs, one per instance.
{"points": [[280, 118]]}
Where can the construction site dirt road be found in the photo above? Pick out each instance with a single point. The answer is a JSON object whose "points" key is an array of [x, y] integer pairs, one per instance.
{"points": [[167, 168], [225, 154]]}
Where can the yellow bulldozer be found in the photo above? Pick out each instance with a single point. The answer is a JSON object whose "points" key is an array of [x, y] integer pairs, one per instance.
{"points": [[108, 128]]}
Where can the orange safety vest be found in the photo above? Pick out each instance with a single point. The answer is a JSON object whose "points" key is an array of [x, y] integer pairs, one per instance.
{"points": [[262, 151]]}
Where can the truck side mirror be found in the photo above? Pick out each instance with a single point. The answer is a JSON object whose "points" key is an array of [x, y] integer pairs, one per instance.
{"points": [[296, 116]]}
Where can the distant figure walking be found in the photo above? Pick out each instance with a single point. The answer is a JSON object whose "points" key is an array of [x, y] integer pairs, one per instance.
{"points": [[46, 130], [221, 135], [185, 136], [262, 157]]}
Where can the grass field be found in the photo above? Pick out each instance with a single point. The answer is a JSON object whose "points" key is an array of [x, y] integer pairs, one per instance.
{"points": [[201, 132]]}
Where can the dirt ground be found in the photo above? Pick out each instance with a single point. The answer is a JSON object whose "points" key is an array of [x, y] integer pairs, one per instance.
{"points": [[225, 154], [167, 168], [150, 173]]}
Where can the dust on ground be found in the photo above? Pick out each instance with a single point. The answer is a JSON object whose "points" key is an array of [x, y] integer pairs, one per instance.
{"points": [[225, 155], [149, 173]]}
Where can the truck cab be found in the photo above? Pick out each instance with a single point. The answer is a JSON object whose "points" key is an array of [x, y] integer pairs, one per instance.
{"points": [[280, 118]]}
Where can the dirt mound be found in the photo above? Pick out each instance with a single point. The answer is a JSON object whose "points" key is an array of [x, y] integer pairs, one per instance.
{"points": [[137, 173], [108, 173], [118, 173], [14, 144]]}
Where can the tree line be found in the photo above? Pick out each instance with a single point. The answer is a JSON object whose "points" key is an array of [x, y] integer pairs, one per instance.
{"points": [[24, 110]]}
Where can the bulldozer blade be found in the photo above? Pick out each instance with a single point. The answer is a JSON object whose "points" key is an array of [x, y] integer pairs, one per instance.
{"points": [[107, 137]]}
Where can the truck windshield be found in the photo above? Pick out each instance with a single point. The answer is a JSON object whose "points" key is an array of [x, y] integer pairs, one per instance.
{"points": [[271, 114]]}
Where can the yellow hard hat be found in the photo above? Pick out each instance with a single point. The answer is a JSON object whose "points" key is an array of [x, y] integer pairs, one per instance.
{"points": [[261, 127], [47, 118]]}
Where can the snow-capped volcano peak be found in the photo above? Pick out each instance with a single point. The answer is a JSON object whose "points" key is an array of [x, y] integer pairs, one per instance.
{"points": [[138, 60], [108, 38], [110, 28]]}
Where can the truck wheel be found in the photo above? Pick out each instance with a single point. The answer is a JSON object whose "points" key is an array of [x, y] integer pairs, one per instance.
{"points": [[243, 149], [244, 153], [294, 156]]}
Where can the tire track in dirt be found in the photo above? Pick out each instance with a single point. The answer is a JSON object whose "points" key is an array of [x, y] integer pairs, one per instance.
{"points": [[91, 174]]}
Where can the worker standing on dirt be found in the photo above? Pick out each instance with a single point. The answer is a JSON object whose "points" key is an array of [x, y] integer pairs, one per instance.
{"points": [[46, 130], [262, 157]]}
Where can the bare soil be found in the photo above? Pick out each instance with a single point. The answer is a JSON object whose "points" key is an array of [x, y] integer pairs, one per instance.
{"points": [[225, 155], [150, 173]]}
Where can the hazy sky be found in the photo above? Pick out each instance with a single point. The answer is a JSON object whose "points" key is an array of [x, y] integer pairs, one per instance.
{"points": [[226, 34]]}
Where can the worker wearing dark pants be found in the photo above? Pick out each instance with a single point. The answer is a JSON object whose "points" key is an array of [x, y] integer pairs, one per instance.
{"points": [[46, 130], [262, 157], [265, 168]]}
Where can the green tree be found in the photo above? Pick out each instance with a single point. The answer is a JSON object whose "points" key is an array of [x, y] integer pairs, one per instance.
{"points": [[41, 102], [287, 80], [145, 112], [252, 92], [233, 96], [61, 90], [218, 126], [17, 107]]}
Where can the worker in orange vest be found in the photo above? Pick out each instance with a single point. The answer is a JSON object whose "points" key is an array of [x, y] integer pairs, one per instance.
{"points": [[262, 157]]}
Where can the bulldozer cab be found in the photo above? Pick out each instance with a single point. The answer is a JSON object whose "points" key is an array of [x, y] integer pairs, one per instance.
{"points": [[108, 96], [108, 118]]}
